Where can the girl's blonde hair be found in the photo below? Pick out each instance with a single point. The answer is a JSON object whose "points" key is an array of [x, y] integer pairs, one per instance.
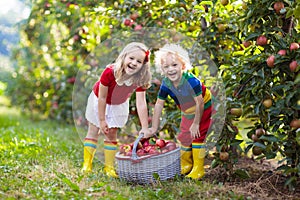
{"points": [[174, 49], [141, 78]]}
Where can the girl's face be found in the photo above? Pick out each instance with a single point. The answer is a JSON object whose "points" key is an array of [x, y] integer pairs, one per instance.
{"points": [[134, 61], [172, 68]]}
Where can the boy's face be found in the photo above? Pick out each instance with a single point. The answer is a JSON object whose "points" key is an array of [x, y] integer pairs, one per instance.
{"points": [[133, 61], [172, 68]]}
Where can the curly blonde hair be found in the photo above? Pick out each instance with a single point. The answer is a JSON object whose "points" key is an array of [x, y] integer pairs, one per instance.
{"points": [[141, 78], [174, 49]]}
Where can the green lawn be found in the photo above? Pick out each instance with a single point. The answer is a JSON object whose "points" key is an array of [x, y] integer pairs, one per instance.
{"points": [[42, 159]]}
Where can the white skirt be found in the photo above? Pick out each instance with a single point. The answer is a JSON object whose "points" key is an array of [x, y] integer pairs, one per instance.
{"points": [[116, 116]]}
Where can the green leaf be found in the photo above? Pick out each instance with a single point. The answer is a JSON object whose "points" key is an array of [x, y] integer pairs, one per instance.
{"points": [[210, 3], [258, 144], [269, 138], [242, 173]]}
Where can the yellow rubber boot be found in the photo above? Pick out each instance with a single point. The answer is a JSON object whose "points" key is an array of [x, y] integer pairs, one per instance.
{"points": [[88, 156], [198, 151], [90, 146], [186, 159], [110, 150]]}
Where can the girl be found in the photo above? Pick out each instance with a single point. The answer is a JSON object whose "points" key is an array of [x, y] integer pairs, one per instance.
{"points": [[194, 101], [108, 104]]}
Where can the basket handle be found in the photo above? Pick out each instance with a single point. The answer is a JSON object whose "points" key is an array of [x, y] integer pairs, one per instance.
{"points": [[135, 144]]}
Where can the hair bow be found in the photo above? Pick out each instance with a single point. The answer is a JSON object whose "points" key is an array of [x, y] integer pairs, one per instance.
{"points": [[147, 56]]}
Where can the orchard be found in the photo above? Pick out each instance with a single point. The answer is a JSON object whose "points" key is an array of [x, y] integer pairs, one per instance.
{"points": [[254, 44]]}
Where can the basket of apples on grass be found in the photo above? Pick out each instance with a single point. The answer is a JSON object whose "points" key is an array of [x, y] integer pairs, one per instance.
{"points": [[139, 161]]}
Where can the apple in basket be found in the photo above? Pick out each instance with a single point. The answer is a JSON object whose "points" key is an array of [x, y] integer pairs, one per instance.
{"points": [[146, 143], [160, 143], [140, 152], [147, 148], [170, 146], [152, 141], [153, 151], [125, 148]]}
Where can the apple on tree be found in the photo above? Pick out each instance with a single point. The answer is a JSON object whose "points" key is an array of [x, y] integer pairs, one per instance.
{"points": [[267, 103], [236, 111], [261, 40], [278, 6], [294, 46], [271, 61], [293, 65], [282, 52]]}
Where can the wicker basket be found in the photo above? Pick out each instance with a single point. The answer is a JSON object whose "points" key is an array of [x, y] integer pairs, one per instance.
{"points": [[141, 169]]}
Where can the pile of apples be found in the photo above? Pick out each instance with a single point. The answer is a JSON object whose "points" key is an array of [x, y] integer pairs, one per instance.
{"points": [[148, 146]]}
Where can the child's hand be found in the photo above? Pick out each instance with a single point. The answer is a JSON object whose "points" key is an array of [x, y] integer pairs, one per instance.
{"points": [[145, 131], [149, 133], [194, 129], [103, 127]]}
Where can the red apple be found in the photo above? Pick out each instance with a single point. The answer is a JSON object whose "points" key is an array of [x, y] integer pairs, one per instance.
{"points": [[129, 153], [140, 152], [147, 148], [295, 123], [146, 143], [293, 65], [271, 61], [134, 16], [246, 44], [160, 143], [71, 80], [261, 40], [138, 27], [124, 148], [294, 46], [170, 146], [282, 52], [127, 22], [259, 132], [278, 6], [153, 151], [254, 137]]}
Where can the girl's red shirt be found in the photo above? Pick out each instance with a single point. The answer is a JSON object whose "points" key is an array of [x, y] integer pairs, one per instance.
{"points": [[116, 94]]}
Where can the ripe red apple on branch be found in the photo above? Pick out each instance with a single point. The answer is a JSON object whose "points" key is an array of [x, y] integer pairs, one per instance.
{"points": [[282, 52], [294, 46], [261, 40], [278, 6], [293, 65], [271, 61]]}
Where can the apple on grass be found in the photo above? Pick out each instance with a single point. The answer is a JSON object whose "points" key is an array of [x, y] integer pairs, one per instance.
{"points": [[224, 156]]}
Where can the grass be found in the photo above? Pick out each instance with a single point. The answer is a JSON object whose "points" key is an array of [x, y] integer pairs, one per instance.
{"points": [[42, 160]]}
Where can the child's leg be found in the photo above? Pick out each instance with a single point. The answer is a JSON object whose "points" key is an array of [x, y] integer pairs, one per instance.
{"points": [[110, 149], [90, 146], [185, 139], [198, 147]]}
